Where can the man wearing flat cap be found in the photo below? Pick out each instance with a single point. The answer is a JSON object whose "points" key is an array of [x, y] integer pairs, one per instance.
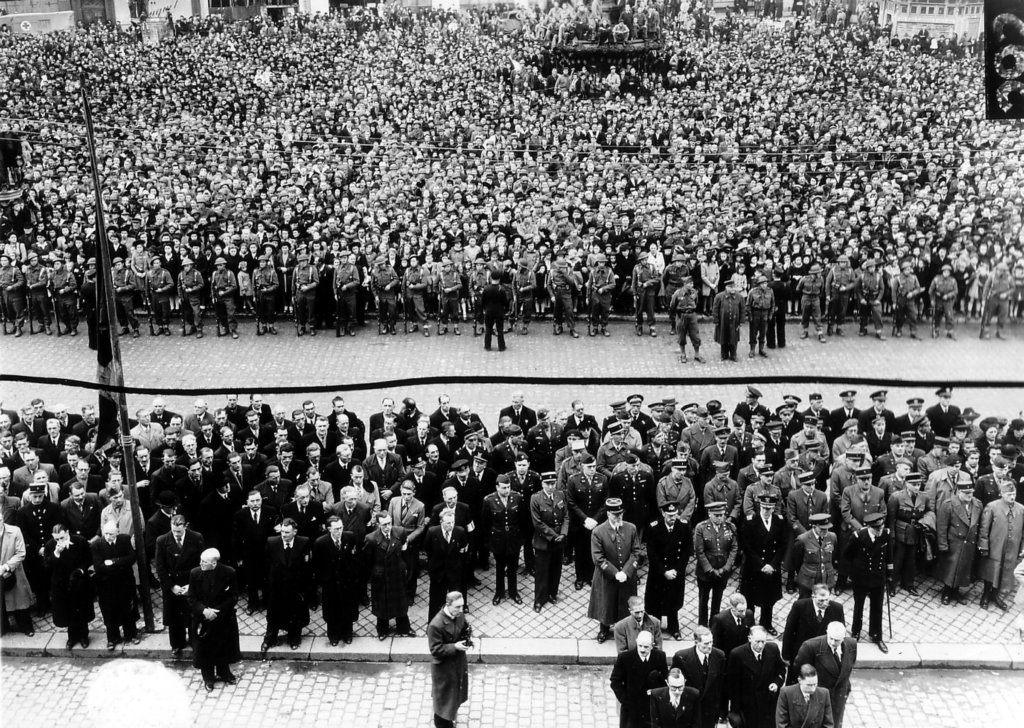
{"points": [[615, 550]]}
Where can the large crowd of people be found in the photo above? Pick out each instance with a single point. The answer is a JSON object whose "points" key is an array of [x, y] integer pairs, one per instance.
{"points": [[432, 148]]}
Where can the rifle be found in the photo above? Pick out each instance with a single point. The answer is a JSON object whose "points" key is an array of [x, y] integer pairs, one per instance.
{"points": [[52, 297], [151, 305], [215, 298], [183, 294], [3, 313], [28, 306], [440, 306]]}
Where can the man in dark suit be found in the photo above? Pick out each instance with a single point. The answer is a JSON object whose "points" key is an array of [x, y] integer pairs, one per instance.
{"points": [[447, 548], [337, 556], [80, 512], [703, 665], [943, 415], [212, 595], [495, 303], [805, 705], [675, 706], [839, 415], [176, 554], [809, 618], [288, 576], [519, 413], [870, 555], [113, 558], [833, 656], [253, 525], [731, 626], [635, 673], [217, 521], [307, 513], [384, 468], [755, 672]]}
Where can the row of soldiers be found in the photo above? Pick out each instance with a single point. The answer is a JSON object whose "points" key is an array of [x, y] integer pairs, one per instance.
{"points": [[826, 296]]}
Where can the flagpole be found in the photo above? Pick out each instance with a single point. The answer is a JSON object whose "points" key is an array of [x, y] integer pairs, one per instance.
{"points": [[114, 374]]}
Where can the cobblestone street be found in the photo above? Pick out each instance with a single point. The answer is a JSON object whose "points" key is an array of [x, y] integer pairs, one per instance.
{"points": [[45, 693]]}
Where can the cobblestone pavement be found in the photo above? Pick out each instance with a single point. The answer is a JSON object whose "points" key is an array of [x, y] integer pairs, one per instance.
{"points": [[44, 693]]}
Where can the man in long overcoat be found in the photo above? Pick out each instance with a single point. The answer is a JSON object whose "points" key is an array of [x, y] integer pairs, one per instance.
{"points": [[17, 600], [449, 637], [1002, 534], [337, 559], [728, 312], [68, 559], [287, 585], [447, 549], [764, 543], [957, 526], [669, 546], [383, 551], [113, 558], [615, 548], [212, 595], [755, 672]]}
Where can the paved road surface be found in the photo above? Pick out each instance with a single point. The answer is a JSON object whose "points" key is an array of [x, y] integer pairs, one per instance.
{"points": [[47, 693]]}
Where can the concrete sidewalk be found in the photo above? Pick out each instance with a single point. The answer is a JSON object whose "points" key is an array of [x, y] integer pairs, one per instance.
{"points": [[505, 651]]}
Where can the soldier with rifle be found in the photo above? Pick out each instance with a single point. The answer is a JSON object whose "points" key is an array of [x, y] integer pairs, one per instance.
{"points": [[477, 283], [159, 285], [385, 284], [224, 286], [563, 288], [37, 279], [524, 285], [346, 291], [124, 298], [906, 289], [448, 295], [265, 284], [599, 293], [996, 298], [12, 296], [304, 282], [645, 288], [190, 290], [64, 291], [414, 289]]}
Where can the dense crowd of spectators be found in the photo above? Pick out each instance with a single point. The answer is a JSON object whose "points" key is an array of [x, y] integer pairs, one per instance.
{"points": [[764, 147]]}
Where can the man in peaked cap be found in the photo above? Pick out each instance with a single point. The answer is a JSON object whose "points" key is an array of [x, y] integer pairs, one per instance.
{"points": [[715, 547], [615, 550], [869, 553], [764, 540]]}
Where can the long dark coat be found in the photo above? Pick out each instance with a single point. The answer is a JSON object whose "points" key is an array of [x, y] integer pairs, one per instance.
{"points": [[387, 574], [747, 681], [667, 550], [1002, 542], [728, 312], [957, 530], [71, 590], [337, 572], [288, 582], [608, 597], [115, 582], [762, 547], [449, 671], [216, 641]]}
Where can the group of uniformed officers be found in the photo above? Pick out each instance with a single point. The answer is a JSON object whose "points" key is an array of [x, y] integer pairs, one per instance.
{"points": [[761, 493]]}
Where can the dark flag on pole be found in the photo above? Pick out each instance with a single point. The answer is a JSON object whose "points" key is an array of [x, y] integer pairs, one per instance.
{"points": [[108, 354]]}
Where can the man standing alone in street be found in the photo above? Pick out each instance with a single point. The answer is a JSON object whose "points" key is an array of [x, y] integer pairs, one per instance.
{"points": [[449, 637], [495, 303]]}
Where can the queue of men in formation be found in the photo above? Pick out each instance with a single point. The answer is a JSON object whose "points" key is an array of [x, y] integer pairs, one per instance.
{"points": [[61, 293], [790, 498]]}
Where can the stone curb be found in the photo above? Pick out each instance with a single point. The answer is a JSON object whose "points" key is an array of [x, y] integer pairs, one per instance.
{"points": [[501, 651]]}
